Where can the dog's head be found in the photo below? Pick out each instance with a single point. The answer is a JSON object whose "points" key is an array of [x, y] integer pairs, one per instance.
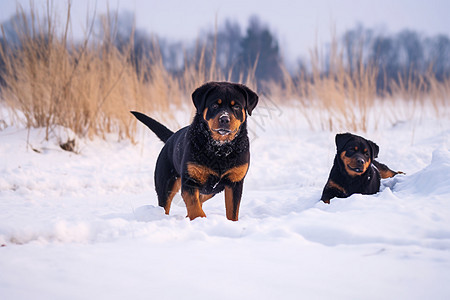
{"points": [[224, 107], [356, 153]]}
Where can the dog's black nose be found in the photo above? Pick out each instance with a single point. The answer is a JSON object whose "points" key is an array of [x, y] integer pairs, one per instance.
{"points": [[224, 120], [360, 162]]}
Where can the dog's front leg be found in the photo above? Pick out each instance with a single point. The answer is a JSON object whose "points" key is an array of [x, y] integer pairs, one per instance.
{"points": [[191, 197], [233, 196]]}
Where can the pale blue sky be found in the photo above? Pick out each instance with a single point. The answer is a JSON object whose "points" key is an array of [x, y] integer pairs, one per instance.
{"points": [[297, 24]]}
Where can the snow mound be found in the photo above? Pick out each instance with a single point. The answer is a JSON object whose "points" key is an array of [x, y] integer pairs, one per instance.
{"points": [[72, 224], [432, 180]]}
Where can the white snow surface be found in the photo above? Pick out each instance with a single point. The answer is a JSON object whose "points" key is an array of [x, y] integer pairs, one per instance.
{"points": [[87, 225]]}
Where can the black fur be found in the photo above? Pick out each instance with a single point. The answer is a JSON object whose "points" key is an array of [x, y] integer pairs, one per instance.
{"points": [[206, 159], [161, 131], [361, 173]]}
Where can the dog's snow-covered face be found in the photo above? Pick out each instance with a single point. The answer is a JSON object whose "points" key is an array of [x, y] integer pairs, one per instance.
{"points": [[224, 117]]}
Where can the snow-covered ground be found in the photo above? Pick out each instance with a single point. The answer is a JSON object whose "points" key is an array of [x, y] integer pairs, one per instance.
{"points": [[87, 225]]}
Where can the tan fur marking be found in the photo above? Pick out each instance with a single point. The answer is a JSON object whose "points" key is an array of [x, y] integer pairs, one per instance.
{"points": [[213, 124], [232, 102], [332, 184], [387, 173], [215, 135], [219, 101], [367, 165], [234, 127], [229, 205], [204, 198], [200, 173], [236, 174], [175, 188], [193, 206], [350, 162]]}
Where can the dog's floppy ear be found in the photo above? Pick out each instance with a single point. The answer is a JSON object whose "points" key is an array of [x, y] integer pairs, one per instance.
{"points": [[199, 96], [251, 98], [341, 140], [374, 149]]}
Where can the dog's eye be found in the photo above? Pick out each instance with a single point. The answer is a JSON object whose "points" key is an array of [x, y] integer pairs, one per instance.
{"points": [[215, 106], [237, 107], [366, 154]]}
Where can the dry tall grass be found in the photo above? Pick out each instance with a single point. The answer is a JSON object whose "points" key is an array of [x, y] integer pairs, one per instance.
{"points": [[53, 82], [345, 97], [88, 88], [91, 87], [338, 99]]}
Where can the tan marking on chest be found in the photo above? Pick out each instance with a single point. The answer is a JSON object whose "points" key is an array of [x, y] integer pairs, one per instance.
{"points": [[236, 174], [200, 173]]}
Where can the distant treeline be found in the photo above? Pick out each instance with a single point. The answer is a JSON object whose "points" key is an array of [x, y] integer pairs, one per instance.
{"points": [[406, 55], [255, 51]]}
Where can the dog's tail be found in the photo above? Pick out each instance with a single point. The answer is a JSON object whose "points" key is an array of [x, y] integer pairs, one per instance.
{"points": [[159, 129]]}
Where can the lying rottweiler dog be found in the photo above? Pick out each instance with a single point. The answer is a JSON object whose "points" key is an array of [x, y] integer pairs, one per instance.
{"points": [[355, 169], [211, 154]]}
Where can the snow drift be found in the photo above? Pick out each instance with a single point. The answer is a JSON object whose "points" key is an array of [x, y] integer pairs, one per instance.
{"points": [[87, 225]]}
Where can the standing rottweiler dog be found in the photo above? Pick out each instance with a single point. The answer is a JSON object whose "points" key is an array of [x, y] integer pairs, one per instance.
{"points": [[211, 154], [355, 169]]}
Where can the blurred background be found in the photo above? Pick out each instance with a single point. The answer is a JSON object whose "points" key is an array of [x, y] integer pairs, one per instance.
{"points": [[84, 64]]}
